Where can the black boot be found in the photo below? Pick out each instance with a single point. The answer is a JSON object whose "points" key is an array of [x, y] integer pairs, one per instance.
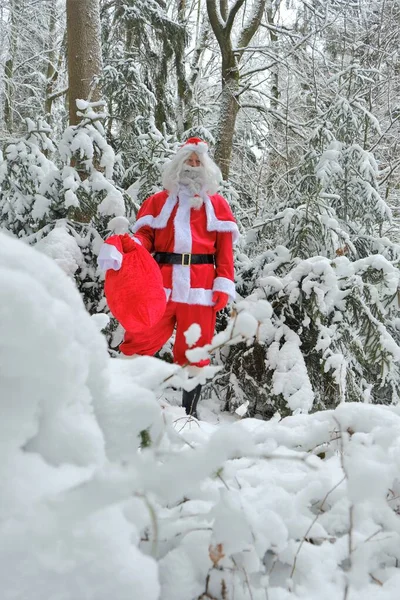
{"points": [[190, 400]]}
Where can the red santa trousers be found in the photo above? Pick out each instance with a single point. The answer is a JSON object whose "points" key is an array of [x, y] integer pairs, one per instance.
{"points": [[182, 316]]}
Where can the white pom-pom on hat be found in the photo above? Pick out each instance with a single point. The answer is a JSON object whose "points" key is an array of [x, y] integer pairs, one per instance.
{"points": [[195, 145]]}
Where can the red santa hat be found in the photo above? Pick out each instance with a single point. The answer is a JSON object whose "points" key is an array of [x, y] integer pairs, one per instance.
{"points": [[195, 144]]}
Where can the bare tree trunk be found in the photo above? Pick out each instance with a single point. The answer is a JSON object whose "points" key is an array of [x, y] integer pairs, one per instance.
{"points": [[229, 109], [185, 94], [201, 43], [84, 52], [275, 69], [222, 20], [160, 112], [202, 38], [9, 93], [52, 69]]}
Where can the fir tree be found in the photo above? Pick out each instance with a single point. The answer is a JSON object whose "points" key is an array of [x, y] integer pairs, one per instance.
{"points": [[65, 206], [331, 279], [22, 169]]}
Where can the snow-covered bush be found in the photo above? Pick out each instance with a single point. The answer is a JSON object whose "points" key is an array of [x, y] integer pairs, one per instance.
{"points": [[304, 508], [331, 277], [23, 167], [107, 493], [342, 319], [149, 149], [65, 205], [58, 536]]}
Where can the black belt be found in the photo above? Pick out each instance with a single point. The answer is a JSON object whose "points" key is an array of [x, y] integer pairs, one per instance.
{"points": [[172, 258]]}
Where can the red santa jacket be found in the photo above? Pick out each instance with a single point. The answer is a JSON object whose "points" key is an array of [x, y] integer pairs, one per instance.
{"points": [[168, 223]]}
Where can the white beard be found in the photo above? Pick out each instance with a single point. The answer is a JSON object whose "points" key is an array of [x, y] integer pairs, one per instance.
{"points": [[192, 179], [196, 202]]}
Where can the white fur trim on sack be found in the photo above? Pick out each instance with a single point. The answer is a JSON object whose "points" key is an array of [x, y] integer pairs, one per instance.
{"points": [[223, 284], [109, 258]]}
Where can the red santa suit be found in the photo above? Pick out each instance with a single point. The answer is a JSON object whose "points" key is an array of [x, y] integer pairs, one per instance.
{"points": [[169, 223]]}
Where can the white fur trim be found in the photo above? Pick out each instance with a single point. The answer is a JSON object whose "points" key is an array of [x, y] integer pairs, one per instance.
{"points": [[180, 283], [223, 284], [200, 148], [182, 244], [214, 224], [161, 220], [199, 296], [182, 232], [196, 202], [109, 258]]}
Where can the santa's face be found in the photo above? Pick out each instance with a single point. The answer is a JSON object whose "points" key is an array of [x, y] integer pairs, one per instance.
{"points": [[193, 160], [192, 178]]}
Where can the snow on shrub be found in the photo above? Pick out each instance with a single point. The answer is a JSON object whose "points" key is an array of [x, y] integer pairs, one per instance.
{"points": [[323, 255], [68, 205], [54, 382], [333, 333]]}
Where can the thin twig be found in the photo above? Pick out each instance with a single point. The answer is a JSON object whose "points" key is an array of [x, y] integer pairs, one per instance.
{"points": [[312, 524]]}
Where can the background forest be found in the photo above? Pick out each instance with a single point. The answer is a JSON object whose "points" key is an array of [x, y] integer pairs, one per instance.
{"points": [[300, 102], [108, 490]]}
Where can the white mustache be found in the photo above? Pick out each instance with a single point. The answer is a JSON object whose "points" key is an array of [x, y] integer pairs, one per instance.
{"points": [[193, 173], [193, 179]]}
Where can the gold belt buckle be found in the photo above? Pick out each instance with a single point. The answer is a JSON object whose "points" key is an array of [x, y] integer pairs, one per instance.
{"points": [[186, 260]]}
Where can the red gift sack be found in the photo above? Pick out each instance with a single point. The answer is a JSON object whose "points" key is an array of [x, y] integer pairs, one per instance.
{"points": [[135, 293]]}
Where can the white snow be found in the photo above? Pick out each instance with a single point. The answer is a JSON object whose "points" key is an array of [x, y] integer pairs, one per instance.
{"points": [[290, 376], [118, 225], [192, 335], [53, 369], [62, 247], [302, 508]]}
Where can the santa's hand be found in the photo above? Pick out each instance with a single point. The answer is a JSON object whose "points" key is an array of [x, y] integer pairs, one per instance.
{"points": [[220, 300], [109, 258], [128, 243]]}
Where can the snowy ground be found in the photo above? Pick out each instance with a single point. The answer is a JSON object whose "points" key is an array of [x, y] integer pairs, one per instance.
{"points": [[109, 490]]}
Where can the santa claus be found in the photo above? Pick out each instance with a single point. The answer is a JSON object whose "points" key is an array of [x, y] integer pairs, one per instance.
{"points": [[190, 230]]}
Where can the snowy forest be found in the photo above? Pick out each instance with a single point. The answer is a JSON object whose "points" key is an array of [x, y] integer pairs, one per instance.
{"points": [[286, 487]]}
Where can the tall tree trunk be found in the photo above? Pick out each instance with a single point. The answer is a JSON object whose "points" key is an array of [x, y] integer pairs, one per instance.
{"points": [[160, 111], [229, 108], [202, 37], [52, 70], [84, 52], [270, 12], [185, 94], [15, 9], [222, 19]]}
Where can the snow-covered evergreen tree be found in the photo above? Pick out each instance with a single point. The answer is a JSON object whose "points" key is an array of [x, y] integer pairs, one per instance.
{"points": [[64, 206], [32, 80], [331, 278], [22, 169], [150, 148]]}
